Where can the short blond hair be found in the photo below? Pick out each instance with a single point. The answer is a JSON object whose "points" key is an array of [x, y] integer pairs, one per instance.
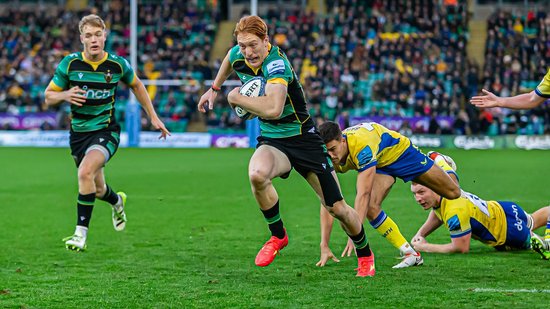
{"points": [[91, 19]]}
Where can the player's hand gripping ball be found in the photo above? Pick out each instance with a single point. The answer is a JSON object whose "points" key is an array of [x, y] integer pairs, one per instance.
{"points": [[255, 87]]}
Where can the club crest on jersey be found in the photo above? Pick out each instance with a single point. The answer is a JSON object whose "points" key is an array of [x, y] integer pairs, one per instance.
{"points": [[108, 76]]}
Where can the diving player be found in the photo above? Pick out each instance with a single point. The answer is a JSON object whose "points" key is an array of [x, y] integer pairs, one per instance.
{"points": [[500, 224]]}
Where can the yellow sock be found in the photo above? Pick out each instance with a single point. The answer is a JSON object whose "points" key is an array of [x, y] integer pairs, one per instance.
{"points": [[389, 230], [443, 164]]}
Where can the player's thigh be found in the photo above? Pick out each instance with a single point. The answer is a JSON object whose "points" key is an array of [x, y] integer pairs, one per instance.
{"points": [[380, 189], [92, 163], [104, 141], [440, 182], [269, 162], [326, 186]]}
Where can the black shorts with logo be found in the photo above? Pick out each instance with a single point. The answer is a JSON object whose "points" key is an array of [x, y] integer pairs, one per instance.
{"points": [[104, 140], [307, 153]]}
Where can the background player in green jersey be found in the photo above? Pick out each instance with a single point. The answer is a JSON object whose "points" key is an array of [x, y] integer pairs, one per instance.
{"points": [[522, 101], [288, 138], [88, 81]]}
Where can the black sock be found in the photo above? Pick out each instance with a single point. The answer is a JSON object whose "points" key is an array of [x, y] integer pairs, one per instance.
{"points": [[274, 221], [85, 205], [110, 196], [361, 243]]}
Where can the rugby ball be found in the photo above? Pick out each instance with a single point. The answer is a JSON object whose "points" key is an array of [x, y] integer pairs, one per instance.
{"points": [[255, 87]]}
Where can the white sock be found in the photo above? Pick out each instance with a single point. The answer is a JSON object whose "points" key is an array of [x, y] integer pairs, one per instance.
{"points": [[406, 249], [81, 231]]}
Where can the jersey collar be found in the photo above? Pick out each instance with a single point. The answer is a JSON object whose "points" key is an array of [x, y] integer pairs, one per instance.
{"points": [[95, 64], [439, 203]]}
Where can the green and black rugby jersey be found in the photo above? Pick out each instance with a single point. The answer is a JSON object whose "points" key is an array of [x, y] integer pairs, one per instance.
{"points": [[99, 80], [295, 119]]}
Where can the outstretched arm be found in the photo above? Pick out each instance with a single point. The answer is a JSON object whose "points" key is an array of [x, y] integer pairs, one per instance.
{"points": [[207, 99], [432, 223], [365, 181], [458, 244], [326, 228], [522, 101], [145, 101]]}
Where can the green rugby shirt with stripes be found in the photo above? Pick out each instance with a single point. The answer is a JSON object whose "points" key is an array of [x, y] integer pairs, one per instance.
{"points": [[276, 68], [99, 80]]}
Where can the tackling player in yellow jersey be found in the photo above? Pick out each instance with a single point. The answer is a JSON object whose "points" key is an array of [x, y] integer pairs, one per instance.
{"points": [[522, 101], [500, 224], [379, 155]]}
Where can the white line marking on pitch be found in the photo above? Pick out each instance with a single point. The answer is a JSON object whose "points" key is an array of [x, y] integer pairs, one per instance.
{"points": [[509, 290]]}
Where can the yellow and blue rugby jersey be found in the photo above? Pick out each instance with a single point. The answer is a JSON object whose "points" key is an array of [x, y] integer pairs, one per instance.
{"points": [[486, 220], [543, 89], [372, 144]]}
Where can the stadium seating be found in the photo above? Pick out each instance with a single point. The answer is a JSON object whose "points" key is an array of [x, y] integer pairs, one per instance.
{"points": [[360, 58], [517, 56]]}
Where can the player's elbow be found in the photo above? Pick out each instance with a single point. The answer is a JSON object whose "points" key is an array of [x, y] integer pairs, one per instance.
{"points": [[48, 98], [273, 113], [535, 100], [461, 249]]}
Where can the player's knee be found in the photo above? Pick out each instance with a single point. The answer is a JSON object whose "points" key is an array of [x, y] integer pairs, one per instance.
{"points": [[258, 178], [454, 193], [338, 210], [85, 174]]}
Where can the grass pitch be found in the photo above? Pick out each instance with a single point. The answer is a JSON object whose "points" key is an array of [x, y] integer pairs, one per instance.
{"points": [[194, 230]]}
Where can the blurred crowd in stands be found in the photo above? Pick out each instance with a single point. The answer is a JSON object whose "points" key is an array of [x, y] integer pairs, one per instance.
{"points": [[174, 42], [517, 56], [362, 58]]}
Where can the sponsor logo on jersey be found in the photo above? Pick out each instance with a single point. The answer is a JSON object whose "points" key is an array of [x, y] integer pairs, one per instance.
{"points": [[96, 94], [276, 67]]}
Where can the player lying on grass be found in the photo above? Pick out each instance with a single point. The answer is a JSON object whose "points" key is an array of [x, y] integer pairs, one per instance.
{"points": [[379, 155], [501, 224]]}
